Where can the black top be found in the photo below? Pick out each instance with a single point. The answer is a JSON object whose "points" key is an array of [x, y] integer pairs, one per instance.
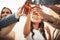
{"points": [[47, 2]]}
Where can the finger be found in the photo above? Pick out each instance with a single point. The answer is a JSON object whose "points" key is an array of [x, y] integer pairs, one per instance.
{"points": [[20, 10]]}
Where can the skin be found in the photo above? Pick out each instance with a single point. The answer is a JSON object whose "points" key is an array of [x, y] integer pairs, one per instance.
{"points": [[6, 32], [5, 12], [36, 18]]}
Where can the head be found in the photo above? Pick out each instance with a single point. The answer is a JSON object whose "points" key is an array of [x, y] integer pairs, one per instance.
{"points": [[36, 15], [5, 12]]}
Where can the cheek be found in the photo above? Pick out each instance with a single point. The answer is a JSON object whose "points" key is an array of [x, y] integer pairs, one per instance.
{"points": [[40, 19], [2, 15], [8, 14], [33, 17]]}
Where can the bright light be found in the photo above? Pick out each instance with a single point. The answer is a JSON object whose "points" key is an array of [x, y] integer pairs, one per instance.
{"points": [[12, 4]]}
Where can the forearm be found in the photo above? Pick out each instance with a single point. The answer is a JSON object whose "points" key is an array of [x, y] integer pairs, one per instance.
{"points": [[8, 20], [55, 22], [6, 30], [27, 27]]}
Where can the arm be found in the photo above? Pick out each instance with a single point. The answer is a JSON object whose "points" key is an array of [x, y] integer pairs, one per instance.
{"points": [[6, 30], [51, 16], [11, 18], [55, 22], [49, 33], [27, 27], [8, 20]]}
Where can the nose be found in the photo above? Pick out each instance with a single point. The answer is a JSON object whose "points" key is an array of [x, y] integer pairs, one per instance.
{"points": [[5, 14]]}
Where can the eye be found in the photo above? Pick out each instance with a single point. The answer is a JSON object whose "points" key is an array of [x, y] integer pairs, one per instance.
{"points": [[2, 12], [7, 12]]}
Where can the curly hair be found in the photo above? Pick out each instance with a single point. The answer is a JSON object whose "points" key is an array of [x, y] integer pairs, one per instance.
{"points": [[41, 25]]}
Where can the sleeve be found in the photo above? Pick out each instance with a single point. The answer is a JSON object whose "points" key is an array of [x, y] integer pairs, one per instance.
{"points": [[8, 20]]}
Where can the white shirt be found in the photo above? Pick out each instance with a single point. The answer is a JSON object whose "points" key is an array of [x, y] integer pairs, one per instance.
{"points": [[37, 35]]}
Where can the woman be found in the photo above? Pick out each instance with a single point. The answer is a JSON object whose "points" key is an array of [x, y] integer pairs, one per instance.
{"points": [[6, 33], [5, 12], [34, 28]]}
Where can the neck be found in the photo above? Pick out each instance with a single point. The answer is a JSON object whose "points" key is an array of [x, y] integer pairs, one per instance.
{"points": [[36, 25]]}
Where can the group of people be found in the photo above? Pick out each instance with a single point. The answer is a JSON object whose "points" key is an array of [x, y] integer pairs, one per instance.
{"points": [[33, 25], [34, 28]]}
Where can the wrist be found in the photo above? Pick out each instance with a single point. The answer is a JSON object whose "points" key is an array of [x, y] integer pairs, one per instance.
{"points": [[16, 16]]}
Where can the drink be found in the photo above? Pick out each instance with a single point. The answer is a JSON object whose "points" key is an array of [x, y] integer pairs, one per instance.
{"points": [[26, 9]]}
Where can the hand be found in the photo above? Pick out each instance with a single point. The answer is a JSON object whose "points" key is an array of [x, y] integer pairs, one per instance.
{"points": [[20, 12], [48, 30]]}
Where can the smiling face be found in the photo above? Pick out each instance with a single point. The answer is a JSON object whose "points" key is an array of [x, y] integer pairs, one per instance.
{"points": [[36, 17], [5, 12]]}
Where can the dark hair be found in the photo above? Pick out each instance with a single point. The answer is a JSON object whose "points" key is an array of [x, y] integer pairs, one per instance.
{"points": [[41, 25], [6, 8]]}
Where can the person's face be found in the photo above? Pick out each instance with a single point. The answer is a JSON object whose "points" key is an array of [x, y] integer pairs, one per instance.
{"points": [[36, 16], [5, 12]]}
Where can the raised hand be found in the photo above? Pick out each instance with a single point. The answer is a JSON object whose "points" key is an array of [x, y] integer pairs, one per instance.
{"points": [[20, 12]]}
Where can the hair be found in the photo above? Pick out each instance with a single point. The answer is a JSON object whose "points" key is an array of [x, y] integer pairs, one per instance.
{"points": [[6, 8], [41, 25]]}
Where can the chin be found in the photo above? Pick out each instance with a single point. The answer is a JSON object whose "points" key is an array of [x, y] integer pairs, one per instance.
{"points": [[36, 21]]}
